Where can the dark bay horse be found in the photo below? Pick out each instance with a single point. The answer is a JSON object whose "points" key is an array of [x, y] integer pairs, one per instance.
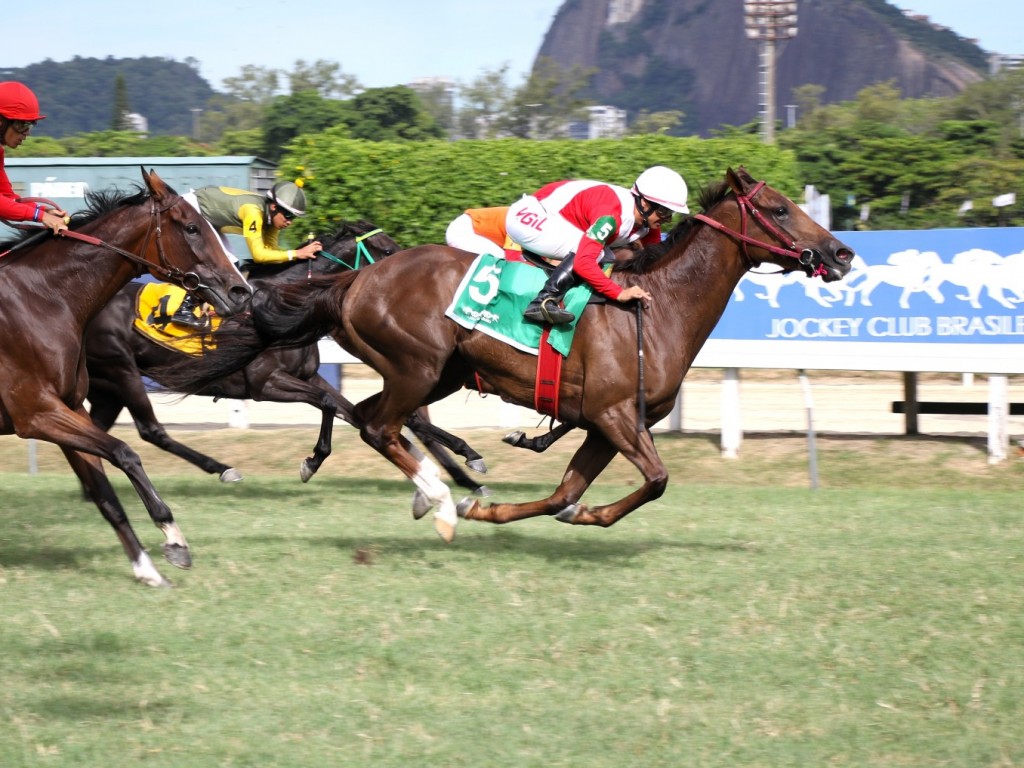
{"points": [[392, 316], [118, 357], [53, 287]]}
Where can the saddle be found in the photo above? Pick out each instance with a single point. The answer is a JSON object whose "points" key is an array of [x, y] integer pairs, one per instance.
{"points": [[536, 260], [154, 307]]}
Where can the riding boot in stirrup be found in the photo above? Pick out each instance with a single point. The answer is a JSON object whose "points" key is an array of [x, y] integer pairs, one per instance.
{"points": [[544, 308], [186, 314]]}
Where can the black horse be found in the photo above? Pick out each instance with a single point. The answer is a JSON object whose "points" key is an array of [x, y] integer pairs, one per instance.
{"points": [[117, 358]]}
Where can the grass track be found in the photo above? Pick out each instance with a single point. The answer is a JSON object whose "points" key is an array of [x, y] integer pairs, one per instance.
{"points": [[741, 620]]}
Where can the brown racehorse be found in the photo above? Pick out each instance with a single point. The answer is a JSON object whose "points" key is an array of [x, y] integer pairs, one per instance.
{"points": [[118, 357], [392, 316], [53, 287]]}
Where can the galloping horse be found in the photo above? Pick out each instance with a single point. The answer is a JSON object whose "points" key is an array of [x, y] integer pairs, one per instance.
{"points": [[117, 357], [392, 316], [53, 287]]}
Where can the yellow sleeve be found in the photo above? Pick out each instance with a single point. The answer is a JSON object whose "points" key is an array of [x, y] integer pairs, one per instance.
{"points": [[262, 241]]}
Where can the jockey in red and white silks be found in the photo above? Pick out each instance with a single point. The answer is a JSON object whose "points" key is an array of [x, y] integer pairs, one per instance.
{"points": [[579, 218]]}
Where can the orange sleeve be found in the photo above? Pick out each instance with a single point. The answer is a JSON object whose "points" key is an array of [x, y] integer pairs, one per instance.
{"points": [[490, 223]]}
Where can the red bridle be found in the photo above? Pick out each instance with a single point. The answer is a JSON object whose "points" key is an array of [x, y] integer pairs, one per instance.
{"points": [[746, 206]]}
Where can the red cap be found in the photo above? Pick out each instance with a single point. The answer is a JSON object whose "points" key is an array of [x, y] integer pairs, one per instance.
{"points": [[17, 102]]}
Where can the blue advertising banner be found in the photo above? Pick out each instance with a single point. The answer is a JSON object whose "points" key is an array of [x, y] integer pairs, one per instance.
{"points": [[921, 300]]}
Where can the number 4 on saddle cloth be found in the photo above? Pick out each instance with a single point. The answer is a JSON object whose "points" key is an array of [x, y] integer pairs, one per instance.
{"points": [[491, 299], [156, 304]]}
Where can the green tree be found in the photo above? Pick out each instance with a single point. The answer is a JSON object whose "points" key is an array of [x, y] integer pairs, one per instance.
{"points": [[244, 142], [437, 98], [289, 116], [549, 100], [119, 120], [390, 114], [483, 102], [324, 77], [655, 122]]}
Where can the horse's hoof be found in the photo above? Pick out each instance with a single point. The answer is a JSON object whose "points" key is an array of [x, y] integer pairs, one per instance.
{"points": [[483, 492], [420, 504], [568, 515], [230, 475], [464, 506], [305, 471], [146, 573], [178, 556], [477, 465], [513, 438], [160, 583], [444, 529]]}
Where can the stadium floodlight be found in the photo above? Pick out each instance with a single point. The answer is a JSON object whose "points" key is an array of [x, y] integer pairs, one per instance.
{"points": [[769, 21]]}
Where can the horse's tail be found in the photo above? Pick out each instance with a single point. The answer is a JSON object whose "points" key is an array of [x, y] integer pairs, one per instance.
{"points": [[287, 315], [295, 314], [237, 342]]}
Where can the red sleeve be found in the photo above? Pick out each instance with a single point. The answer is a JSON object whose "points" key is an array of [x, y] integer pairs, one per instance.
{"points": [[588, 253], [653, 237], [10, 208]]}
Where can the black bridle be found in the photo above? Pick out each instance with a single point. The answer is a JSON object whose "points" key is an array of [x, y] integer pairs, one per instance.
{"points": [[163, 270]]}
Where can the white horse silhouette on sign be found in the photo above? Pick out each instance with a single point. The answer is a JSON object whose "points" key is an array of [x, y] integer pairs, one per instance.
{"points": [[976, 270], [912, 270]]}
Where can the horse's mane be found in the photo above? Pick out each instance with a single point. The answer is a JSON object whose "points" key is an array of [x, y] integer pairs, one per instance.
{"points": [[97, 203], [707, 198]]}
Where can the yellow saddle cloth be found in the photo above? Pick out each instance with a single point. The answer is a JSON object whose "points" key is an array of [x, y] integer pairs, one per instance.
{"points": [[156, 304]]}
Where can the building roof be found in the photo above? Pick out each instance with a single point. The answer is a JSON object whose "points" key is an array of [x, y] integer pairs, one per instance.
{"points": [[158, 161]]}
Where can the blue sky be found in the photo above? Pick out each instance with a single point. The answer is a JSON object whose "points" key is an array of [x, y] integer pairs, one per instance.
{"points": [[380, 43]]}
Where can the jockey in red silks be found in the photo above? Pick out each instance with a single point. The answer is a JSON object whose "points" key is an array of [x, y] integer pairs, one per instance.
{"points": [[19, 111], [574, 221]]}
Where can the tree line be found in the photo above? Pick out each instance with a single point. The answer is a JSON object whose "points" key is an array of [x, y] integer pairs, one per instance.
{"points": [[885, 161]]}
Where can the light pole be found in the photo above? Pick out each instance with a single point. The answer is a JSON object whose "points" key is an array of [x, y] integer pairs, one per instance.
{"points": [[769, 21], [195, 121]]}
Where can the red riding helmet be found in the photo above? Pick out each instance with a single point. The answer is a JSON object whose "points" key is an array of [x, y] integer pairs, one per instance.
{"points": [[17, 102]]}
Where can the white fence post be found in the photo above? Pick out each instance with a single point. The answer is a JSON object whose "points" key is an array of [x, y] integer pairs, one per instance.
{"points": [[732, 429]]}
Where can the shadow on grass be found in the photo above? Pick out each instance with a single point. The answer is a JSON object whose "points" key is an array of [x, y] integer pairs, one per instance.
{"points": [[603, 548], [26, 553]]}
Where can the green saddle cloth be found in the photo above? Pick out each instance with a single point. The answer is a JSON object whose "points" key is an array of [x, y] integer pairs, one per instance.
{"points": [[493, 295]]}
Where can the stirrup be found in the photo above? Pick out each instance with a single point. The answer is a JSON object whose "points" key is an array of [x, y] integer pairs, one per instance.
{"points": [[554, 315], [190, 320]]}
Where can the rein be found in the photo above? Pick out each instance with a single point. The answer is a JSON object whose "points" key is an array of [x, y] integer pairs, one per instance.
{"points": [[789, 248], [362, 252], [190, 281]]}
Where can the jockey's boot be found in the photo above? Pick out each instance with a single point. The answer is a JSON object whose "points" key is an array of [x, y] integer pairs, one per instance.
{"points": [[544, 308], [186, 314]]}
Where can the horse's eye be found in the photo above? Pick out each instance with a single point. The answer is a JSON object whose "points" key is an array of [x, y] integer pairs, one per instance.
{"points": [[780, 212], [192, 229]]}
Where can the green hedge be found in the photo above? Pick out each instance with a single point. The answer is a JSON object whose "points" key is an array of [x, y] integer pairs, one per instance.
{"points": [[414, 189]]}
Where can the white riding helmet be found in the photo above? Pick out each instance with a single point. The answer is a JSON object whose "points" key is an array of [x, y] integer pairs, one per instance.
{"points": [[662, 186], [288, 196]]}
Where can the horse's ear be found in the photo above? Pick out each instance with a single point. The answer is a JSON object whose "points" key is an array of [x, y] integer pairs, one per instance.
{"points": [[157, 186], [739, 179], [734, 181]]}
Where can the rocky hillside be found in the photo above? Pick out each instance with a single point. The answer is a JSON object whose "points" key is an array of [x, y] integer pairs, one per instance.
{"points": [[694, 56]]}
